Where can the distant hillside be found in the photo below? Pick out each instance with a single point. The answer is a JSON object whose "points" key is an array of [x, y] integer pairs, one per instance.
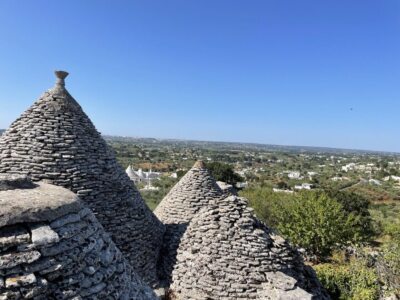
{"points": [[240, 146], [1, 131]]}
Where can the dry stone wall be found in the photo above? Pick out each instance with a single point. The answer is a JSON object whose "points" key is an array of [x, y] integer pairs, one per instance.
{"points": [[54, 140], [227, 253], [52, 247], [194, 191]]}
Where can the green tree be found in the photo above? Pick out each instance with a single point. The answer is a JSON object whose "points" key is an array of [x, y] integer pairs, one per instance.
{"points": [[223, 172], [314, 221], [388, 262], [282, 185], [358, 206], [311, 220], [263, 200], [352, 281], [180, 173]]}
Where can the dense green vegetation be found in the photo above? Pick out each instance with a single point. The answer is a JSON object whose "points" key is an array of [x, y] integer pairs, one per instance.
{"points": [[328, 224], [223, 172], [310, 220], [387, 222], [152, 198], [356, 207], [352, 280], [315, 222]]}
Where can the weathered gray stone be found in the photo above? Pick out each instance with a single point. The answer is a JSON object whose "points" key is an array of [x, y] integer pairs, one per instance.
{"points": [[38, 290], [296, 293], [20, 280], [13, 236], [226, 188], [71, 218], [42, 234], [45, 202], [10, 295], [281, 281], [14, 181], [11, 260]]}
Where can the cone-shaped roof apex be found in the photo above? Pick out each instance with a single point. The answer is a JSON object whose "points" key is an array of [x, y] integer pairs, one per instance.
{"points": [[61, 75], [194, 191], [199, 164]]}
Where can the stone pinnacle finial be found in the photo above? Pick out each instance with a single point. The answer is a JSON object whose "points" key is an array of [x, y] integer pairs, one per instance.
{"points": [[61, 75], [199, 164]]}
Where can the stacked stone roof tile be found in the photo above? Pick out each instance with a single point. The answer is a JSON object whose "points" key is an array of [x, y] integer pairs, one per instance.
{"points": [[53, 247], [196, 189], [227, 253], [54, 140]]}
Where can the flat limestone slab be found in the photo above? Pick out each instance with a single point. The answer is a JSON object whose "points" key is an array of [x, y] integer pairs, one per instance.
{"points": [[44, 202]]}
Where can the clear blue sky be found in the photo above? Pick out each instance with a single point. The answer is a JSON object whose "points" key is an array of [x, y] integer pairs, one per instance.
{"points": [[310, 72]]}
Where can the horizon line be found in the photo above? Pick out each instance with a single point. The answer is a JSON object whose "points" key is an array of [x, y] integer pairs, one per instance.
{"points": [[257, 143]]}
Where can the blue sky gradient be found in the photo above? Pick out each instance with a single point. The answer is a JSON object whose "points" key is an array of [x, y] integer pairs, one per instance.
{"points": [[311, 72]]}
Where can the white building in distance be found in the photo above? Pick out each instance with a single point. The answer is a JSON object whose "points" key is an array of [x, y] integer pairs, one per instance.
{"points": [[282, 191], [304, 186], [295, 175], [140, 176]]}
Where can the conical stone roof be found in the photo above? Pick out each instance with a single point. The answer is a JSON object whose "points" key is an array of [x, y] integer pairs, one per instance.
{"points": [[55, 140], [227, 253], [196, 189], [53, 247]]}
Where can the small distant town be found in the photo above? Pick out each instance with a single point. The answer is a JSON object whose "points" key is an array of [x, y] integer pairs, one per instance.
{"points": [[151, 162]]}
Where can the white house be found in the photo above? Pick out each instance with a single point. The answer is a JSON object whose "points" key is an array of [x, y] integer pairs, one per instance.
{"points": [[375, 182], [392, 177], [140, 176], [348, 167], [304, 186], [149, 187], [282, 191], [294, 175], [241, 185], [337, 178]]}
